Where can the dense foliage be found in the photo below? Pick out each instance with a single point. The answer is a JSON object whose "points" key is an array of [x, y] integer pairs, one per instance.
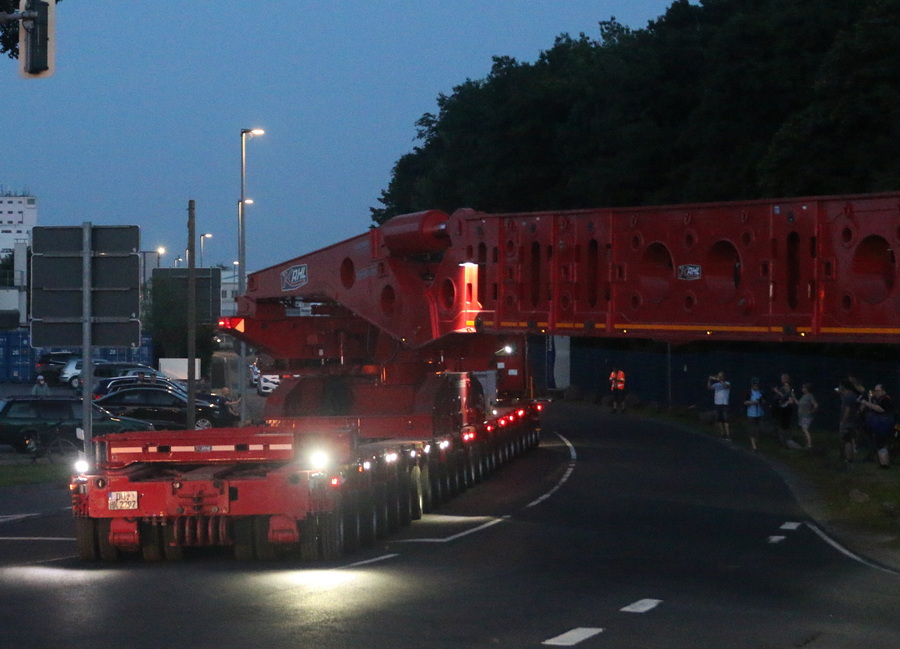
{"points": [[723, 100]]}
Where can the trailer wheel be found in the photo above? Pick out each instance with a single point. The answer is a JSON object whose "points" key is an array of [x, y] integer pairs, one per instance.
{"points": [[368, 518], [309, 538], [265, 549], [242, 529], [350, 507], [108, 552], [151, 542], [86, 538], [425, 483], [171, 551], [416, 495], [331, 535]]}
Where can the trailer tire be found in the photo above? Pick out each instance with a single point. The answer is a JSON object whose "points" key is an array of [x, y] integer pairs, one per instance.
{"points": [[151, 542], [331, 535], [309, 538], [265, 549], [425, 483], [416, 494], [242, 531], [86, 538], [108, 552], [350, 507], [171, 550]]}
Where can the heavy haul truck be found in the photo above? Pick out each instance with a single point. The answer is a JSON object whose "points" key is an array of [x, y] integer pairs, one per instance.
{"points": [[404, 364]]}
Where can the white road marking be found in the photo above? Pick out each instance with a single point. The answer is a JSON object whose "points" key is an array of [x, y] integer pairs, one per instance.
{"points": [[840, 548], [14, 517], [383, 557], [573, 456], [790, 526], [453, 537], [36, 538], [776, 539], [573, 637], [641, 606]]}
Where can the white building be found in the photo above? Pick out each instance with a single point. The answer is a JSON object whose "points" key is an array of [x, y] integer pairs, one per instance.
{"points": [[18, 214]]}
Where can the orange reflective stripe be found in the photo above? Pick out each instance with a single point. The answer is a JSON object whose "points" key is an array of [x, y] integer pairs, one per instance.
{"points": [[617, 380]]}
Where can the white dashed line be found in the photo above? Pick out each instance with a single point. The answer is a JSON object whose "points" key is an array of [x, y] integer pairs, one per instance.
{"points": [[775, 539], [573, 637], [641, 606], [790, 526]]}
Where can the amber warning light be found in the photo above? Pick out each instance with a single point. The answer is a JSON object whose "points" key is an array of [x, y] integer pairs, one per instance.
{"points": [[237, 324]]}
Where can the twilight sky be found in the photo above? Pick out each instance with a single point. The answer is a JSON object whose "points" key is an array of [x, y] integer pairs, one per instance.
{"points": [[148, 100]]}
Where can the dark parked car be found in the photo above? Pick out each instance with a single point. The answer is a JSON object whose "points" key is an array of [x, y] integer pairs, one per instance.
{"points": [[165, 408], [50, 365], [32, 424]]}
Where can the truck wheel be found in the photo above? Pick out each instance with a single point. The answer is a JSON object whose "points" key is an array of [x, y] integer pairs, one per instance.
{"points": [[108, 552], [151, 542], [393, 504], [368, 519], [242, 529], [86, 538], [265, 549]]}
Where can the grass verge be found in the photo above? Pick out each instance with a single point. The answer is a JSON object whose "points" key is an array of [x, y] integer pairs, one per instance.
{"points": [[21, 471]]}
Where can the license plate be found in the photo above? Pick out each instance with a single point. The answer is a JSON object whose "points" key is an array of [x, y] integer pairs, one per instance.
{"points": [[119, 500]]}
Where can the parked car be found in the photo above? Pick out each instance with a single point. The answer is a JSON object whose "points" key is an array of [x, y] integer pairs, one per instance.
{"points": [[165, 407], [108, 386], [254, 374], [31, 424], [267, 384], [71, 373], [50, 365]]}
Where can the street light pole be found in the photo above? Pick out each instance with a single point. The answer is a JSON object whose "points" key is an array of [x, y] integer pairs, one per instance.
{"points": [[242, 260], [203, 237]]}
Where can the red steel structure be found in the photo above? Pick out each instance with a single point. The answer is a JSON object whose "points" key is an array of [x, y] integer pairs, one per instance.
{"points": [[402, 356]]}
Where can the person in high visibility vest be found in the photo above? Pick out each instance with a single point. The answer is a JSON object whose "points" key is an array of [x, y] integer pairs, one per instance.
{"points": [[617, 389]]}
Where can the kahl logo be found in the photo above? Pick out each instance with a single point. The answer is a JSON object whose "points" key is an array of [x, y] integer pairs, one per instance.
{"points": [[294, 277], [689, 271]]}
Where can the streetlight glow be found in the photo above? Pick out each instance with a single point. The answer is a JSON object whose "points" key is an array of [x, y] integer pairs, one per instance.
{"points": [[203, 237]]}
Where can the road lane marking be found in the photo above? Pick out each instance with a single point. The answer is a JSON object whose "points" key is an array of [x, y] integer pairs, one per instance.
{"points": [[447, 539], [847, 553], [641, 606], [8, 518], [366, 562], [573, 456], [776, 539], [35, 538], [790, 526], [573, 637]]}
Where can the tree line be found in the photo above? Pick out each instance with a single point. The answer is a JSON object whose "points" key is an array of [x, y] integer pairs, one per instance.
{"points": [[725, 100]]}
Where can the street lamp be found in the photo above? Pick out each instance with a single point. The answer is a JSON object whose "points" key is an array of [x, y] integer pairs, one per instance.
{"points": [[159, 253], [203, 237], [242, 258]]}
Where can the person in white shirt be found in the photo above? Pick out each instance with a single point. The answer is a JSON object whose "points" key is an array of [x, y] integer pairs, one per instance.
{"points": [[721, 391]]}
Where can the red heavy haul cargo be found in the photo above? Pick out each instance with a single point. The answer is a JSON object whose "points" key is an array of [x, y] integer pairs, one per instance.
{"points": [[404, 367]]}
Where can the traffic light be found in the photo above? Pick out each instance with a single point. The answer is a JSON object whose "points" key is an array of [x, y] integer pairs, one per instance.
{"points": [[36, 38]]}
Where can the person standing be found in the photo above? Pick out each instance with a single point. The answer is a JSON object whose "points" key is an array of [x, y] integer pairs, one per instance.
{"points": [[806, 408], [721, 391], [848, 426], [617, 389], [754, 403], [40, 389], [784, 408], [879, 416]]}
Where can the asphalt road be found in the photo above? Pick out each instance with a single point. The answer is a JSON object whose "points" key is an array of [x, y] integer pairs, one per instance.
{"points": [[616, 532]]}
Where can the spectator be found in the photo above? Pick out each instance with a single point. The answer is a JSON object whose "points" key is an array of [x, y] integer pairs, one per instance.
{"points": [[41, 389], [806, 408], [783, 408], [721, 391], [230, 402], [879, 416], [848, 426], [754, 403]]}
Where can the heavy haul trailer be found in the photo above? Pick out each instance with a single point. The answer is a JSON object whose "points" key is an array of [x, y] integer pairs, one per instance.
{"points": [[310, 487], [373, 335]]}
